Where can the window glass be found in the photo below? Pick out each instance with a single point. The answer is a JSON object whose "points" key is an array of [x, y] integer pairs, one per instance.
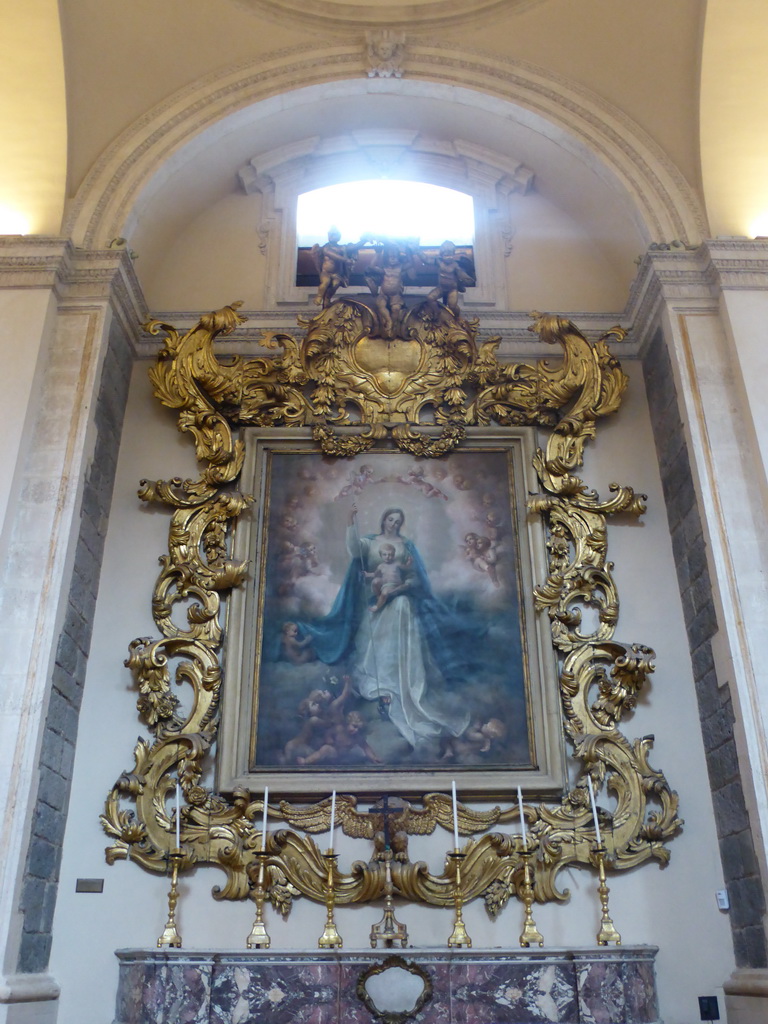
{"points": [[386, 209]]}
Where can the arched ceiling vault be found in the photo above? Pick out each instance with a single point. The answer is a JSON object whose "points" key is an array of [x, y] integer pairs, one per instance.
{"points": [[589, 158], [733, 117]]}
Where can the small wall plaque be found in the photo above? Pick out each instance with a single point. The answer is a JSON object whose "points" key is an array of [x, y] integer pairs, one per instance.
{"points": [[89, 885]]}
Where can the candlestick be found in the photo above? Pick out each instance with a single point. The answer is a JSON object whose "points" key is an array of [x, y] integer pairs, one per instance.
{"points": [[178, 816], [259, 939], [530, 935], [458, 936], [455, 818], [330, 939], [333, 820], [264, 822], [522, 818], [170, 936], [594, 810], [607, 931]]}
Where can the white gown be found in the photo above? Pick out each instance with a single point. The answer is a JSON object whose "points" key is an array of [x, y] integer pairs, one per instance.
{"points": [[392, 658]]}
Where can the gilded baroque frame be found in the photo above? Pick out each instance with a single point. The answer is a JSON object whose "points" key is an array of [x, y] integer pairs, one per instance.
{"points": [[420, 392], [523, 556]]}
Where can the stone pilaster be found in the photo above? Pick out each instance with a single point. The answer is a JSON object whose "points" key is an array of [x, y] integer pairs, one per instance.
{"points": [[55, 521], [708, 436]]}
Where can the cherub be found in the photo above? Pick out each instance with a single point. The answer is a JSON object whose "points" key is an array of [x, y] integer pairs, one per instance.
{"points": [[385, 53], [341, 741], [386, 279], [468, 547], [333, 262], [287, 559], [451, 277], [493, 525], [477, 738], [481, 552], [288, 523], [358, 479], [417, 478], [298, 652], [388, 579], [296, 560], [314, 709], [341, 733], [308, 559]]}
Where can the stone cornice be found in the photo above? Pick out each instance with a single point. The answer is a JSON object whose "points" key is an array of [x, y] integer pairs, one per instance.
{"points": [[77, 276], [33, 261], [738, 263], [692, 280], [676, 278]]}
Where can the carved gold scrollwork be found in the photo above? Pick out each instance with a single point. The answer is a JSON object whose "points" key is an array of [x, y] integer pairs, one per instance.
{"points": [[354, 387]]}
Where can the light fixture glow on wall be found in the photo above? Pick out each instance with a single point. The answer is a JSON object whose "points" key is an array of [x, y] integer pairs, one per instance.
{"points": [[14, 221], [758, 227]]}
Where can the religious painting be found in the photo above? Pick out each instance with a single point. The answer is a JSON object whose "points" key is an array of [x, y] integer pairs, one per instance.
{"points": [[389, 619]]}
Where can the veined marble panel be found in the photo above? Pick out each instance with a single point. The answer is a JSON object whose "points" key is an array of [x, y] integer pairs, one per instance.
{"points": [[584, 986]]}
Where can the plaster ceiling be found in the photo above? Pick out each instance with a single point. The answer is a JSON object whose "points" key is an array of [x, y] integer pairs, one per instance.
{"points": [[394, 13], [122, 60]]}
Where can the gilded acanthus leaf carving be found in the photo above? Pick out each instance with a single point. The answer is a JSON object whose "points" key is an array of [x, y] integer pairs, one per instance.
{"points": [[356, 386]]}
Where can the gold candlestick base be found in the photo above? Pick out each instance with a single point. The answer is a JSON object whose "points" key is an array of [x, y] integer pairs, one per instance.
{"points": [[170, 936], [530, 935], [458, 936], [607, 931], [259, 939], [330, 939], [388, 931]]}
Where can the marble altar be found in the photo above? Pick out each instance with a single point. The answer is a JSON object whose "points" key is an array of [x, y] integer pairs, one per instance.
{"points": [[584, 986]]}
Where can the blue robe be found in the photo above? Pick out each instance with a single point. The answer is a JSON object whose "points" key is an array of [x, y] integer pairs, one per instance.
{"points": [[454, 635]]}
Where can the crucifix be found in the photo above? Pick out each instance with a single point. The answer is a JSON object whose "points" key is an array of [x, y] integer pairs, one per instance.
{"points": [[388, 931]]}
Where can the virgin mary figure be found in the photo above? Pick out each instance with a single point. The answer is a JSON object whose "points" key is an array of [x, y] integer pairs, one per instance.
{"points": [[405, 647]]}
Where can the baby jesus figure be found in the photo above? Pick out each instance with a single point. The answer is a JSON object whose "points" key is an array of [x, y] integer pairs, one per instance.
{"points": [[389, 578]]}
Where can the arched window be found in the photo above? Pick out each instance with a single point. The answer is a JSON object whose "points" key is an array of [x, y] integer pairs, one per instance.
{"points": [[435, 191], [372, 211]]}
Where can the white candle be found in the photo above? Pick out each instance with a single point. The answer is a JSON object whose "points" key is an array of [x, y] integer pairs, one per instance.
{"points": [[264, 821], [333, 819], [178, 816], [455, 817], [522, 818], [594, 810]]}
